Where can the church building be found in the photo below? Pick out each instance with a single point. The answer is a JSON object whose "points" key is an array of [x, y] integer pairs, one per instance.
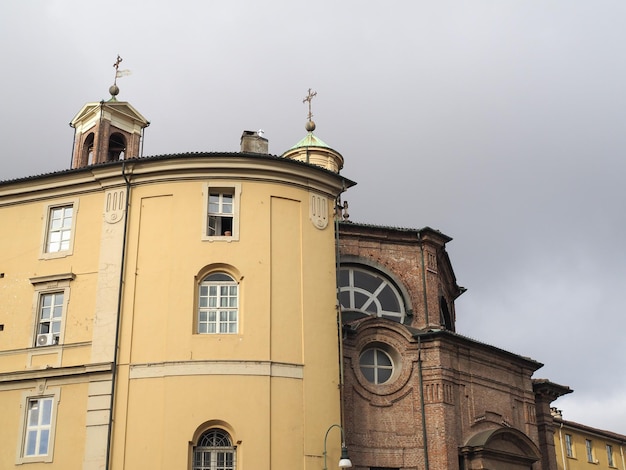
{"points": [[220, 311]]}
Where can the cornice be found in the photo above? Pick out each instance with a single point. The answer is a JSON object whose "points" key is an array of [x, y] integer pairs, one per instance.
{"points": [[55, 372], [172, 168]]}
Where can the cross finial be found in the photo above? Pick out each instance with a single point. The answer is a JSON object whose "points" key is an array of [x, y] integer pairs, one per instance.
{"points": [[116, 65], [309, 98]]}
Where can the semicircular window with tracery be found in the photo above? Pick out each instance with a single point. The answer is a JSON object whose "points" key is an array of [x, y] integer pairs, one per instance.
{"points": [[368, 291], [214, 451]]}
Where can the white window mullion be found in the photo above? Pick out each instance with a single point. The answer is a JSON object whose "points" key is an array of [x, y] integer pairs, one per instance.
{"points": [[218, 305], [38, 427]]}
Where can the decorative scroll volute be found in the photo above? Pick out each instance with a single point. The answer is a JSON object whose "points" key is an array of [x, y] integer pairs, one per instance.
{"points": [[318, 210], [115, 202]]}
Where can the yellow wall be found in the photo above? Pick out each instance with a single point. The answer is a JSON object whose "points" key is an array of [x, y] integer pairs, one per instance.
{"points": [[71, 411], [273, 386], [579, 459], [275, 383]]}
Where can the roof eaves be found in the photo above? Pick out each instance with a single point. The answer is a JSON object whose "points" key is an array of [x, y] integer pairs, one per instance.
{"points": [[347, 182], [348, 223], [433, 333]]}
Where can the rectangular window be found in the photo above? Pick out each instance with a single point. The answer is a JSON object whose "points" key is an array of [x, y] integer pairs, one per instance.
{"points": [[50, 314], [50, 304], [589, 446], [221, 212], [59, 229], [38, 427], [568, 445], [609, 455]]}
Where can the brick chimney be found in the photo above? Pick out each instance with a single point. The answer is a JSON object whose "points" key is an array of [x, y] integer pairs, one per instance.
{"points": [[253, 142]]}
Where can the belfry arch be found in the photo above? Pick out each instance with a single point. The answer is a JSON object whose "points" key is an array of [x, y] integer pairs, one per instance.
{"points": [[116, 147]]}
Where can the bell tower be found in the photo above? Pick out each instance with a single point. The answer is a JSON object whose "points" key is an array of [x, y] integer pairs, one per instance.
{"points": [[107, 131]]}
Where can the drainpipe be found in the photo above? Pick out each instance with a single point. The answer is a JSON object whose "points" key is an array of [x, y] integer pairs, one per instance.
{"points": [[562, 451], [621, 451], [142, 137], [73, 146], [119, 321], [419, 238], [98, 149], [422, 405], [339, 318]]}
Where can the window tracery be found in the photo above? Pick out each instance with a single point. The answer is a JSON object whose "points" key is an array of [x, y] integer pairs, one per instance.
{"points": [[368, 291]]}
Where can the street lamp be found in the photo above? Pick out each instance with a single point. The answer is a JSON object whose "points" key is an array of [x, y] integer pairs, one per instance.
{"points": [[344, 461]]}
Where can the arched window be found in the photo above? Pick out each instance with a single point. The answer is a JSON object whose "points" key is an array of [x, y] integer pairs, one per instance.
{"points": [[369, 292], [445, 318], [214, 451], [88, 153], [218, 304]]}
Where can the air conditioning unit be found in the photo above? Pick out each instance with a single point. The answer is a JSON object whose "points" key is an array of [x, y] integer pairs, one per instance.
{"points": [[45, 339]]}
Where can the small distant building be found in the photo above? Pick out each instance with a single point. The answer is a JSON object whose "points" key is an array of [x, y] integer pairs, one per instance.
{"points": [[580, 447]]}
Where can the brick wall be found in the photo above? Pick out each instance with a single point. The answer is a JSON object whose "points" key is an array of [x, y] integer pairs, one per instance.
{"points": [[459, 387]]}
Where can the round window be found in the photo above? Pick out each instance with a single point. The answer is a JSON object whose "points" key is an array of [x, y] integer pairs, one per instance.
{"points": [[376, 365]]}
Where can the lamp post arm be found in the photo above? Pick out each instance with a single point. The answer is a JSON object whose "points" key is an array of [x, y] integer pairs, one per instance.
{"points": [[343, 441]]}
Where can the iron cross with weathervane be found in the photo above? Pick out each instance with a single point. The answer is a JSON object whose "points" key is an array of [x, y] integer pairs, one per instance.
{"points": [[116, 66], [119, 73], [309, 98]]}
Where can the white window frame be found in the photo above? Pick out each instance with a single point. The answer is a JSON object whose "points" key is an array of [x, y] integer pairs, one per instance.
{"points": [[50, 317], [50, 286], [589, 448], [569, 445], [221, 188], [212, 452], [376, 368], [48, 230], [350, 292], [609, 455], [218, 305], [52, 397]]}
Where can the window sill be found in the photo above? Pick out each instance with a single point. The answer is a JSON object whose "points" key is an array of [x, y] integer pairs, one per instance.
{"points": [[218, 334], [34, 459], [224, 238], [56, 254]]}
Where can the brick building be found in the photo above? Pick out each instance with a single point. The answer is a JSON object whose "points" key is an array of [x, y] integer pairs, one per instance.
{"points": [[416, 393]]}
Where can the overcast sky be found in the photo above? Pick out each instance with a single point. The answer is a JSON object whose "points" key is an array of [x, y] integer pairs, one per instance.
{"points": [[500, 123]]}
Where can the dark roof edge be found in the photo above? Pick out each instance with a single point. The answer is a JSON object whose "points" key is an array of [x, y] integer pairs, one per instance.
{"points": [[591, 430], [347, 182], [434, 333], [416, 231]]}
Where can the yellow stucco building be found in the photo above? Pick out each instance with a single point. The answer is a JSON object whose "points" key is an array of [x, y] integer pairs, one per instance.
{"points": [[169, 312], [580, 447]]}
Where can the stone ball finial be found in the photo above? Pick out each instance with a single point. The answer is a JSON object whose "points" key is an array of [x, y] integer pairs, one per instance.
{"points": [[114, 90], [310, 126]]}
